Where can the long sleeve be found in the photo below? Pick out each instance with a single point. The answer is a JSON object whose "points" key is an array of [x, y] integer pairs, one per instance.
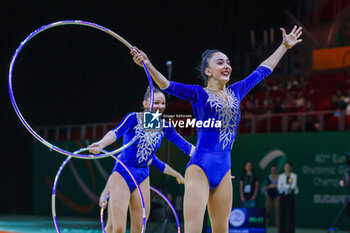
{"points": [[186, 92], [160, 165], [179, 141], [244, 86], [124, 125]]}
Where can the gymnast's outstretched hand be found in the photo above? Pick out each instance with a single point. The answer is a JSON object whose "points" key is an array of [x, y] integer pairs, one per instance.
{"points": [[139, 56], [292, 38], [95, 148], [108, 139], [180, 179], [103, 200], [171, 172], [288, 41]]}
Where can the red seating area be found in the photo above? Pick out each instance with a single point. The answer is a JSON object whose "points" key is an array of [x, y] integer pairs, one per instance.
{"points": [[317, 93], [325, 86], [318, 89]]}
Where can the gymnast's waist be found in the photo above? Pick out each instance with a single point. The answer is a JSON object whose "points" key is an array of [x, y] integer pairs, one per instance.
{"points": [[129, 164], [212, 151]]}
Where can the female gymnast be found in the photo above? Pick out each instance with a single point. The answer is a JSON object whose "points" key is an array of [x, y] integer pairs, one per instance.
{"points": [[207, 178], [272, 196], [137, 158], [155, 162]]}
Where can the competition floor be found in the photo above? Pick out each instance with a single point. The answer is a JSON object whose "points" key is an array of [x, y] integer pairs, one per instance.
{"points": [[35, 224]]}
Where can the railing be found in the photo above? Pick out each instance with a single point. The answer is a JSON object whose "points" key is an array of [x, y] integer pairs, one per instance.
{"points": [[75, 132], [266, 123]]}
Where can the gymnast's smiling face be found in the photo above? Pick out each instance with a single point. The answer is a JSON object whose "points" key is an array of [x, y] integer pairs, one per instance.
{"points": [[159, 102], [219, 68]]}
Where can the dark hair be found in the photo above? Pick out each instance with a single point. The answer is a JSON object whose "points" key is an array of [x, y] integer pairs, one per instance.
{"points": [[206, 55], [290, 164], [273, 165], [148, 92], [245, 171]]}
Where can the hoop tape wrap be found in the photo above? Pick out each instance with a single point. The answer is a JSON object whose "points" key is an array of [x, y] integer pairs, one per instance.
{"points": [[19, 114], [53, 200], [165, 199]]}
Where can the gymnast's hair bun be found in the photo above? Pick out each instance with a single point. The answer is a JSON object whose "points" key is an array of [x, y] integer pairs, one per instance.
{"points": [[206, 52]]}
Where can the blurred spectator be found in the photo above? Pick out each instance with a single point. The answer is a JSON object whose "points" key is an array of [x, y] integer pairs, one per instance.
{"points": [[289, 84], [267, 102], [248, 186], [287, 187], [278, 105], [347, 101], [275, 85], [272, 195], [295, 83], [303, 82], [339, 100], [289, 101], [309, 106], [300, 101], [251, 103]]}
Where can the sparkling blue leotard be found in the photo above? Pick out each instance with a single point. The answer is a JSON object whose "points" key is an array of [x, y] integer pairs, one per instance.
{"points": [[141, 153], [214, 145]]}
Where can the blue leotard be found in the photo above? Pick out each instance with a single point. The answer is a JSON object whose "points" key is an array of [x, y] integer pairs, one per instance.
{"points": [[214, 145], [141, 153]]}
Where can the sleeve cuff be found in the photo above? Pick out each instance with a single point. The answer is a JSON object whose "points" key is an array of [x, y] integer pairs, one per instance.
{"points": [[267, 67], [166, 87], [164, 170], [192, 150]]}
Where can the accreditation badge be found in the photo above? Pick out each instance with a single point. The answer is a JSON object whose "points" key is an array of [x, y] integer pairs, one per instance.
{"points": [[247, 188]]}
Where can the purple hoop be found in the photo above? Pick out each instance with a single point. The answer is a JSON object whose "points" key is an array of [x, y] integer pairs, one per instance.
{"points": [[19, 114], [160, 194], [53, 195]]}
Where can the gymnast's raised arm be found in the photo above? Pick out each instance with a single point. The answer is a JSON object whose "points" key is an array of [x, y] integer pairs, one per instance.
{"points": [[289, 40], [183, 91]]}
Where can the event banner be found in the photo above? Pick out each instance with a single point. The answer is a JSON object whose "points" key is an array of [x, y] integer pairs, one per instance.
{"points": [[317, 158]]}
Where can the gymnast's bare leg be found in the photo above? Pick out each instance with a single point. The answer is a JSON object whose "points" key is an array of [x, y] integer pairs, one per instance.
{"points": [[195, 199]]}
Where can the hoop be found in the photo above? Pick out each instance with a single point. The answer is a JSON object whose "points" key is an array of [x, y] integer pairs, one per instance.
{"points": [[53, 196], [19, 114], [160, 194]]}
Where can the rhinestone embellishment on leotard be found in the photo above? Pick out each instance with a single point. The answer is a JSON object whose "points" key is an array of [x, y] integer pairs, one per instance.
{"points": [[227, 111], [147, 141]]}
